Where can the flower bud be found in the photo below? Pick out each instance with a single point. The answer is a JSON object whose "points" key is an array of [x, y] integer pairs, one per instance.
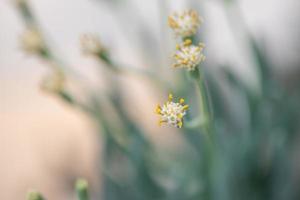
{"points": [[34, 195]]}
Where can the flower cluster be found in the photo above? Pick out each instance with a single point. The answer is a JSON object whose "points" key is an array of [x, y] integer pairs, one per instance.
{"points": [[188, 56], [185, 23], [172, 112]]}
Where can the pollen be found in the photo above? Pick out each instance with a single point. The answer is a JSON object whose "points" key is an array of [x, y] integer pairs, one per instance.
{"points": [[188, 56], [185, 23], [172, 112]]}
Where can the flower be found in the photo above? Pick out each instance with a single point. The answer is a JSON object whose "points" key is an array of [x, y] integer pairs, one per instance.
{"points": [[91, 45], [171, 112], [54, 83], [185, 23], [32, 41], [188, 55], [20, 3]]}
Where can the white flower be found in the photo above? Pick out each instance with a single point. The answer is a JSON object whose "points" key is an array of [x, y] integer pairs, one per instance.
{"points": [[91, 45], [188, 56], [172, 112], [185, 23], [32, 41]]}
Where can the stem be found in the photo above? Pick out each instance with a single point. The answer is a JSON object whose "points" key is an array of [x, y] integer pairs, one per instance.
{"points": [[207, 129], [205, 112]]}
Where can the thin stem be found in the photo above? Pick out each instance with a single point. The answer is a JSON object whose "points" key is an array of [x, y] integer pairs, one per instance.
{"points": [[205, 113], [207, 129]]}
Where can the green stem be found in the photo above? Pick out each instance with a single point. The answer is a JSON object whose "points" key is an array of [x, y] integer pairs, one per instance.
{"points": [[206, 125], [205, 112]]}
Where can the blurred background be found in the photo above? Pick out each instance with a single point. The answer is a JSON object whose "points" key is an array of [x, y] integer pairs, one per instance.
{"points": [[45, 144]]}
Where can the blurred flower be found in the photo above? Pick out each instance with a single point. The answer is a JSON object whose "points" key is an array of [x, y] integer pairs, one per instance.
{"points": [[54, 83], [20, 3], [188, 56], [185, 23], [171, 112], [91, 45], [32, 42]]}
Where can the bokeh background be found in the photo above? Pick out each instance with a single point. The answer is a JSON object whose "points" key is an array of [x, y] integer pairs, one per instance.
{"points": [[46, 144]]}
